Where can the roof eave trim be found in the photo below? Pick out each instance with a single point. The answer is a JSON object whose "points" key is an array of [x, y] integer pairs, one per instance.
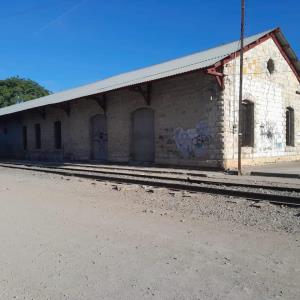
{"points": [[270, 35]]}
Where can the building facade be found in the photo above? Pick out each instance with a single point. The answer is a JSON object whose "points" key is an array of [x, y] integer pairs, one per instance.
{"points": [[270, 97], [189, 118]]}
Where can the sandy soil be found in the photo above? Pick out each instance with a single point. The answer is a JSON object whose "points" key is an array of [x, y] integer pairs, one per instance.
{"points": [[70, 238]]}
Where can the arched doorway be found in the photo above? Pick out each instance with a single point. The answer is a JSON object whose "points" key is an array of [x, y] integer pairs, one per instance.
{"points": [[98, 134], [143, 135]]}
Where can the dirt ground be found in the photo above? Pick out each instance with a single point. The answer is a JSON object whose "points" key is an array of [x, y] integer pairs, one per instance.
{"points": [[71, 238]]}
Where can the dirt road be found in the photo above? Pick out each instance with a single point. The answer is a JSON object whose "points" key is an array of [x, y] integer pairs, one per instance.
{"points": [[68, 238]]}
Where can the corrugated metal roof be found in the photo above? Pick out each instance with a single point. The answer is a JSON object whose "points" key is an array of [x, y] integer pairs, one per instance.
{"points": [[178, 66]]}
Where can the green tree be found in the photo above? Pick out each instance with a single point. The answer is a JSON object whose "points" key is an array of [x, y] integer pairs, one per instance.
{"points": [[15, 90]]}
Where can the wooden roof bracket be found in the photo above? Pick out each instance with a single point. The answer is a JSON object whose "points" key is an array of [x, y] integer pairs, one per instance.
{"points": [[102, 102], [66, 107], [218, 75], [146, 93], [42, 112]]}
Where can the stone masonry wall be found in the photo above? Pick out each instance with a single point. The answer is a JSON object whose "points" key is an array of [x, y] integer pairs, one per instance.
{"points": [[75, 131], [271, 95], [186, 126], [188, 111], [10, 138]]}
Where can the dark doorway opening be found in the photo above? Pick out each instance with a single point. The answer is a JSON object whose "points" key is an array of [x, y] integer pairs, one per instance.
{"points": [[143, 149], [247, 124], [98, 133]]}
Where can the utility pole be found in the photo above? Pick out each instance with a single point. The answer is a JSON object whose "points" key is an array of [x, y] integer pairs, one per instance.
{"points": [[240, 134]]}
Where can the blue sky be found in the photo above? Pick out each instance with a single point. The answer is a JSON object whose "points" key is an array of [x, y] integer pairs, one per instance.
{"points": [[66, 43]]}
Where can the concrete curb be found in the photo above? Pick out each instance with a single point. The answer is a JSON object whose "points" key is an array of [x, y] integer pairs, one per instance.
{"points": [[267, 174]]}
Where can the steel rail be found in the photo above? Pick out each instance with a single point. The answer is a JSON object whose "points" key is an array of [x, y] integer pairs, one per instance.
{"points": [[139, 173], [205, 187]]}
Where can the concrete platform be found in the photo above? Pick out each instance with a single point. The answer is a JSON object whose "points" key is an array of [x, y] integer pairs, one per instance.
{"points": [[282, 169]]}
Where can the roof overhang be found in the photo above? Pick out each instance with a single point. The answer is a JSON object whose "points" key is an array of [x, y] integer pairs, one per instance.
{"points": [[209, 61]]}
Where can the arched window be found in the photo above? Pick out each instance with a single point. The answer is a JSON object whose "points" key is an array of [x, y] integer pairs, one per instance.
{"points": [[247, 124], [289, 131]]}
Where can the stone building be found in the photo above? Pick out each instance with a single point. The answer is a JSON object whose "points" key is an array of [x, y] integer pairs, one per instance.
{"points": [[181, 112]]}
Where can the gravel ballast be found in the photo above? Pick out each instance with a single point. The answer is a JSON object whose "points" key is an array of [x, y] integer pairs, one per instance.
{"points": [[72, 238]]}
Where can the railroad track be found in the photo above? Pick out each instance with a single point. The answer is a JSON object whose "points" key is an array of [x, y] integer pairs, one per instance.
{"points": [[175, 179]]}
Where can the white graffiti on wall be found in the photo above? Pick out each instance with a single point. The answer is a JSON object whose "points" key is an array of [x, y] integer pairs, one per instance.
{"points": [[271, 136], [193, 142]]}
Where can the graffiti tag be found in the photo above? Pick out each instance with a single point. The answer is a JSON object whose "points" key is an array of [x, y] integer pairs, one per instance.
{"points": [[271, 138], [193, 142]]}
